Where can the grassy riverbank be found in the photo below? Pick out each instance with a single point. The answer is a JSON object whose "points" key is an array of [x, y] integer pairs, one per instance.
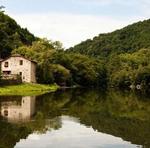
{"points": [[26, 89]]}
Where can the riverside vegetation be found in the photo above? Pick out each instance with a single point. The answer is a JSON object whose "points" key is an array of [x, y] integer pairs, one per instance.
{"points": [[118, 59], [27, 89]]}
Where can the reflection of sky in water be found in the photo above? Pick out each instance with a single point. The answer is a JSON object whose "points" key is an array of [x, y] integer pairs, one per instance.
{"points": [[73, 135]]}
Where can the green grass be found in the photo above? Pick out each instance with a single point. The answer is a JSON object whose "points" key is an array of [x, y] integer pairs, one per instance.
{"points": [[27, 89]]}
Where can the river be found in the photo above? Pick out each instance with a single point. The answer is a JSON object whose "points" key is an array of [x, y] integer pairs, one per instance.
{"points": [[76, 118]]}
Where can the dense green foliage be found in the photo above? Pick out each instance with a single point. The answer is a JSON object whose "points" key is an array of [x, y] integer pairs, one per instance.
{"points": [[55, 65], [125, 53], [12, 35], [130, 69], [128, 39]]}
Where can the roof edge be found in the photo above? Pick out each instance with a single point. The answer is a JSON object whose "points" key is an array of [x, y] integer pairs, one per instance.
{"points": [[18, 55]]}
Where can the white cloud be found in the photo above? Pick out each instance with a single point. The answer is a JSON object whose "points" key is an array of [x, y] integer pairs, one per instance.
{"points": [[70, 29]]}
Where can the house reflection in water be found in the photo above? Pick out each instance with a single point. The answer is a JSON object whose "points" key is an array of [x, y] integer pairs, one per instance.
{"points": [[15, 112]]}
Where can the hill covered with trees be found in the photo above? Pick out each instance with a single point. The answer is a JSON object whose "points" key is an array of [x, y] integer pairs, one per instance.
{"points": [[125, 54], [118, 59], [12, 35], [128, 39]]}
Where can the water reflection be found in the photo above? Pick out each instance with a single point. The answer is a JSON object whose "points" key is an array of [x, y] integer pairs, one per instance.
{"points": [[21, 111], [72, 134], [96, 116]]}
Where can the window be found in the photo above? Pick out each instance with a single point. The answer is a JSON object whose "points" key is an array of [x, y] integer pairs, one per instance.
{"points": [[21, 62], [6, 72], [6, 64], [6, 113], [20, 73]]}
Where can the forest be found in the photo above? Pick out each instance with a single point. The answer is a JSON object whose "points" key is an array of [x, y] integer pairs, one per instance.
{"points": [[119, 59]]}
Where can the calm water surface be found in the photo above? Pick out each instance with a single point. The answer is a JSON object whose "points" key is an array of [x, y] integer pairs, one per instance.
{"points": [[76, 119]]}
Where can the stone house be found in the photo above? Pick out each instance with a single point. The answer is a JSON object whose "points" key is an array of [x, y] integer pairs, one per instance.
{"points": [[19, 65]]}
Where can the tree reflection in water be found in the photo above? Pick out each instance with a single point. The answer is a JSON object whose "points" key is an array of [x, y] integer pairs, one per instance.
{"points": [[121, 114]]}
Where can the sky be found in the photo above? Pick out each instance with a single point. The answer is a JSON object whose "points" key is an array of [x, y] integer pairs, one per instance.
{"points": [[73, 21]]}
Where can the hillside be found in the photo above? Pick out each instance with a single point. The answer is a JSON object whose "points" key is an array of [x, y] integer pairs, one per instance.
{"points": [[128, 39], [12, 35], [128, 50], [54, 65], [125, 54]]}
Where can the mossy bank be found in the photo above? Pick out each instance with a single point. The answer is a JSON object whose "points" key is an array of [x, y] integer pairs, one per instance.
{"points": [[27, 89]]}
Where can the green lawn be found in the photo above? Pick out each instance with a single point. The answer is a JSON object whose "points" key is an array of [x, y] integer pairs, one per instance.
{"points": [[27, 89]]}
